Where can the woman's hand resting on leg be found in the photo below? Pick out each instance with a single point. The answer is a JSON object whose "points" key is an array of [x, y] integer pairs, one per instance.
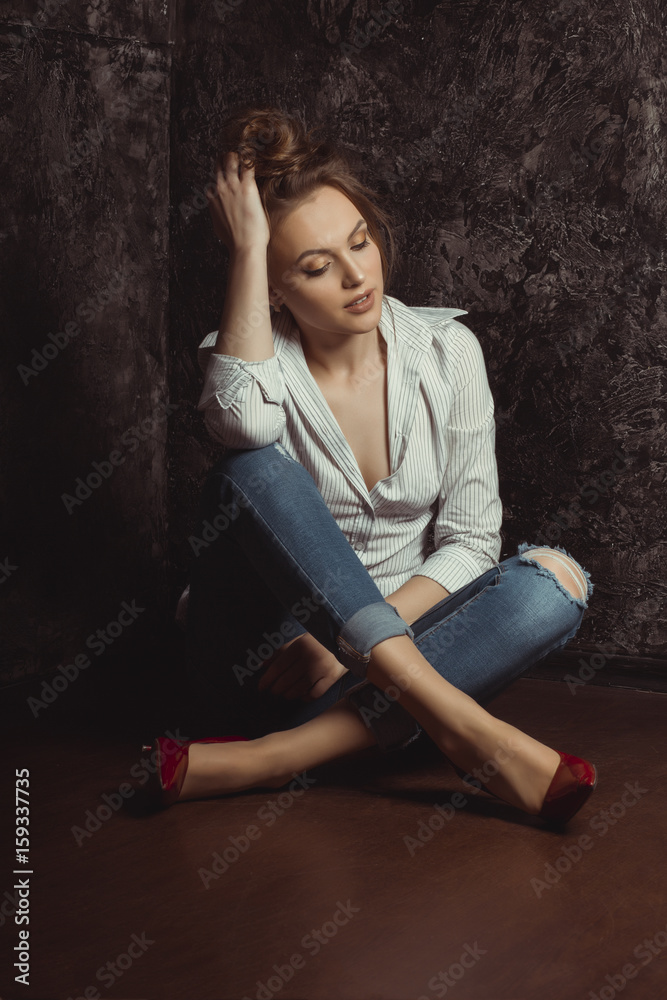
{"points": [[301, 668]]}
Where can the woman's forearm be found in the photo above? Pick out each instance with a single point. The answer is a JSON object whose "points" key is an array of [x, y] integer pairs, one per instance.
{"points": [[416, 596], [245, 327]]}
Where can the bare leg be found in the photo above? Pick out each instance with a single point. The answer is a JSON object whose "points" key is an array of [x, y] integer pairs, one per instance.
{"points": [[510, 764], [270, 761], [521, 767]]}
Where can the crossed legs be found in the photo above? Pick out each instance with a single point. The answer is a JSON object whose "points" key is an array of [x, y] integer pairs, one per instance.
{"points": [[460, 727]]}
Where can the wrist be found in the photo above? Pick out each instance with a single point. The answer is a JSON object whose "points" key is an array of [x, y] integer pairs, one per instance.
{"points": [[396, 602], [248, 251]]}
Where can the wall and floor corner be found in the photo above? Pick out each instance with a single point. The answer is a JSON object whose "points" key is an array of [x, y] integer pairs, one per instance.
{"points": [[523, 165]]}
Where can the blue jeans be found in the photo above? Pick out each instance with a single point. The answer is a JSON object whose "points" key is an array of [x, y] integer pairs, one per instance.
{"points": [[271, 563]]}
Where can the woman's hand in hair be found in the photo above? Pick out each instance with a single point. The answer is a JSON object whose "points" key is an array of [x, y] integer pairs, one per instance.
{"points": [[239, 219], [301, 668]]}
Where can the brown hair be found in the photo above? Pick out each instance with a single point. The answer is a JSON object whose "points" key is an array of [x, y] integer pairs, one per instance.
{"points": [[290, 164]]}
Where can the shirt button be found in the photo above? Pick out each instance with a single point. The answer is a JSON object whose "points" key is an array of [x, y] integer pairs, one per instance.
{"points": [[358, 546]]}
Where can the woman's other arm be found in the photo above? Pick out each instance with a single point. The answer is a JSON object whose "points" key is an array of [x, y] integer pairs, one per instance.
{"points": [[469, 515]]}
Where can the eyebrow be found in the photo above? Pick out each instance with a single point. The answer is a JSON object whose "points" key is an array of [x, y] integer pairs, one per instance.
{"points": [[307, 253]]}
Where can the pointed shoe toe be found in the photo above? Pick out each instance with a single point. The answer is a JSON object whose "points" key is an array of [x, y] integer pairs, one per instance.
{"points": [[572, 785], [171, 765]]}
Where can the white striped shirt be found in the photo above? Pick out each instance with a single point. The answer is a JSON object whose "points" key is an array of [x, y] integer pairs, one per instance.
{"points": [[438, 513]]}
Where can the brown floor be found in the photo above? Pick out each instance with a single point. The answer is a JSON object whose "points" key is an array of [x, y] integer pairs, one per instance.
{"points": [[515, 911]]}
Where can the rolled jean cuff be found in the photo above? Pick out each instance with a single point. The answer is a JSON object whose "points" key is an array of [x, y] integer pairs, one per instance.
{"points": [[392, 726], [365, 629]]}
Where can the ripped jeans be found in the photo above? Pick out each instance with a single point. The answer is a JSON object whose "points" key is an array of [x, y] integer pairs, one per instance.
{"points": [[271, 562]]}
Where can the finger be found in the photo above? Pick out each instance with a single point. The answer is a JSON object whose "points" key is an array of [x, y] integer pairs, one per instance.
{"points": [[219, 181], [247, 172], [301, 689], [322, 684], [316, 690], [229, 167], [283, 650], [295, 674], [279, 661]]}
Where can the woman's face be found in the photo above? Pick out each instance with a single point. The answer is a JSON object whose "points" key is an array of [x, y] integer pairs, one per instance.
{"points": [[321, 258]]}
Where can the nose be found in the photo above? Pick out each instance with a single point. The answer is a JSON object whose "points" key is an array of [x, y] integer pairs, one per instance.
{"points": [[353, 272]]}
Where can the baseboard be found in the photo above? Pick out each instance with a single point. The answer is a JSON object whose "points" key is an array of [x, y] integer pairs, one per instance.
{"points": [[581, 666]]}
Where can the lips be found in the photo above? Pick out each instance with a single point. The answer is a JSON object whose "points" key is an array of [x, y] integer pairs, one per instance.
{"points": [[363, 295], [366, 302]]}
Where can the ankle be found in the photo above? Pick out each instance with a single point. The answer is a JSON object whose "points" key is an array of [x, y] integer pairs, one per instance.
{"points": [[271, 766]]}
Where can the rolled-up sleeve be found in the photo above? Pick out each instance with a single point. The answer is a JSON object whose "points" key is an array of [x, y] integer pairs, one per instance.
{"points": [[241, 400], [469, 510]]}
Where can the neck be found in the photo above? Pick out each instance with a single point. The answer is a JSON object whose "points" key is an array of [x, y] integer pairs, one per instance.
{"points": [[342, 355]]}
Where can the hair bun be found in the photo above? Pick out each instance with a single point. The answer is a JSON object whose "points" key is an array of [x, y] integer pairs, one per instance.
{"points": [[272, 141]]}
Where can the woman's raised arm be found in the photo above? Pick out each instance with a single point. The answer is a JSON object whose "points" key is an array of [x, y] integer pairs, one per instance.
{"points": [[243, 384], [240, 221]]}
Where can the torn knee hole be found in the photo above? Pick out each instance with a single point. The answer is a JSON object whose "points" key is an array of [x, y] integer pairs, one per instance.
{"points": [[563, 568]]}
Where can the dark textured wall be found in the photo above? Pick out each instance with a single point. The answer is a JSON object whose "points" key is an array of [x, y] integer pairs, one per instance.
{"points": [[521, 151], [83, 255]]}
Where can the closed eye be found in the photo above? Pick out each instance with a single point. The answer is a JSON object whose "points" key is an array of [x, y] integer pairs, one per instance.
{"points": [[321, 270]]}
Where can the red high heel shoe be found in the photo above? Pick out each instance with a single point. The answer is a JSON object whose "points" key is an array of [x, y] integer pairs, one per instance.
{"points": [[573, 783], [171, 757]]}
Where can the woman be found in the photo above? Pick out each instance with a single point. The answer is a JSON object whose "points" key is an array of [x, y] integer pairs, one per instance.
{"points": [[346, 580]]}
